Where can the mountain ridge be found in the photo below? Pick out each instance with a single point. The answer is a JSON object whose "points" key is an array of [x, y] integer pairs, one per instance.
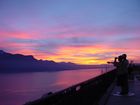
{"points": [[15, 63]]}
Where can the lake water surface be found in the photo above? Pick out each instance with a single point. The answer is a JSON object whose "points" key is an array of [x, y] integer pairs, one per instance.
{"points": [[16, 89]]}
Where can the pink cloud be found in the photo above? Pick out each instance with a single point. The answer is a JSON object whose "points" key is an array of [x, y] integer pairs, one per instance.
{"points": [[129, 46], [12, 34]]}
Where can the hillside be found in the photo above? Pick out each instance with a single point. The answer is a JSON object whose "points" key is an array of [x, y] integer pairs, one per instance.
{"points": [[14, 63]]}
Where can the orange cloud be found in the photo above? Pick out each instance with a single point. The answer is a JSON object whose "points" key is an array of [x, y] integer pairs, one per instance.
{"points": [[98, 53], [83, 55]]}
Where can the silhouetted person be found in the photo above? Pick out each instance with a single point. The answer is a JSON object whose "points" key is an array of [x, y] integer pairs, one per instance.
{"points": [[122, 73], [118, 65], [130, 71]]}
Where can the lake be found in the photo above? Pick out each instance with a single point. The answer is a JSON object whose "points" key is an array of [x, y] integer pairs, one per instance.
{"points": [[18, 88]]}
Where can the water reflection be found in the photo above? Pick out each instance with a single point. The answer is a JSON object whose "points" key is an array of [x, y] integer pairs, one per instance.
{"points": [[68, 78], [17, 89]]}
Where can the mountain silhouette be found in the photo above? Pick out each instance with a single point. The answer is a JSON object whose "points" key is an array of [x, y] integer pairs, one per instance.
{"points": [[15, 63]]}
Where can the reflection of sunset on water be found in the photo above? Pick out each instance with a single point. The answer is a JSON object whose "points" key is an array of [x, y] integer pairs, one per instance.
{"points": [[69, 78], [19, 88]]}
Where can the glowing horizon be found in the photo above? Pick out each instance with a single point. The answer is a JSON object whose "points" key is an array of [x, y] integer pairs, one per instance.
{"points": [[82, 32]]}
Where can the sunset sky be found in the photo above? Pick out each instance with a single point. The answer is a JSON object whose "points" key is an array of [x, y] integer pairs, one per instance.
{"points": [[78, 31]]}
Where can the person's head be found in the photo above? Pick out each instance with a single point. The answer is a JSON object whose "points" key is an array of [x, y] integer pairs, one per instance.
{"points": [[120, 58], [124, 56]]}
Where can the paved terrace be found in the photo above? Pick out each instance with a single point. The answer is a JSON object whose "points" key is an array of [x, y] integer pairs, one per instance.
{"points": [[126, 100]]}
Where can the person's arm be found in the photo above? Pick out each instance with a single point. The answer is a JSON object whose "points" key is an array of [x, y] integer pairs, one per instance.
{"points": [[115, 63]]}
